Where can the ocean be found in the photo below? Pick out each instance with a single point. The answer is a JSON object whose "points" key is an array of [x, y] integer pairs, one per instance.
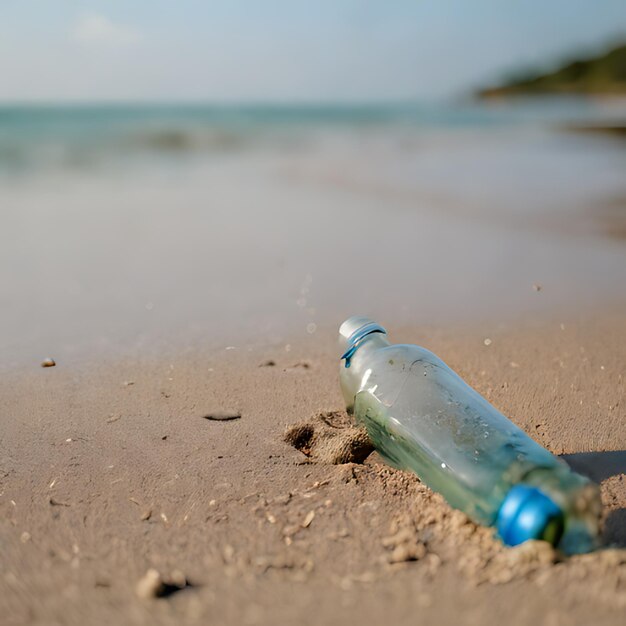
{"points": [[38, 137], [132, 227]]}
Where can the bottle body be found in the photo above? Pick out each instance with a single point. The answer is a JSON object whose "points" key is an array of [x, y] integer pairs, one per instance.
{"points": [[421, 416]]}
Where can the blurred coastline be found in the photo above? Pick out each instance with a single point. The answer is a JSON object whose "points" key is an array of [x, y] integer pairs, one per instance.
{"points": [[38, 138], [145, 225]]}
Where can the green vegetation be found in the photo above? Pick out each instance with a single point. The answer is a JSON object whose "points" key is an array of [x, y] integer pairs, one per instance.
{"points": [[604, 74]]}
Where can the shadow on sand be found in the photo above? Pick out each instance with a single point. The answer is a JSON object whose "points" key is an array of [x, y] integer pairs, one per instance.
{"points": [[599, 466]]}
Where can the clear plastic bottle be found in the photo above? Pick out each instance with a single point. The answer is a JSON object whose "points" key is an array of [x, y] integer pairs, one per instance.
{"points": [[422, 416]]}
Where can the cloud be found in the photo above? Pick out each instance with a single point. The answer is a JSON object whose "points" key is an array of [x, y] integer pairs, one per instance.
{"points": [[94, 28]]}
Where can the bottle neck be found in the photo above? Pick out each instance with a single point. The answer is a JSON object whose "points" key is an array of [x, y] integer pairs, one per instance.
{"points": [[351, 377], [369, 343]]}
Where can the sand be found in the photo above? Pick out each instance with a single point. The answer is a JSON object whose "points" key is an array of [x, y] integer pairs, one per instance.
{"points": [[110, 469], [171, 285]]}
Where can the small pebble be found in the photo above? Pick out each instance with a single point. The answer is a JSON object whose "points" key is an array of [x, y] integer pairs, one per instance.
{"points": [[537, 287], [48, 362], [406, 552], [150, 585], [282, 499], [222, 416], [146, 515], [306, 522], [487, 341], [25, 537], [177, 579], [55, 502]]}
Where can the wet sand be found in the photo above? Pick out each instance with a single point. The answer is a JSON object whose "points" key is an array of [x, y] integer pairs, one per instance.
{"points": [[273, 246], [110, 468]]}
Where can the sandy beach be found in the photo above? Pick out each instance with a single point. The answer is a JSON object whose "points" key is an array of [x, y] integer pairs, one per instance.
{"points": [[172, 284], [111, 469]]}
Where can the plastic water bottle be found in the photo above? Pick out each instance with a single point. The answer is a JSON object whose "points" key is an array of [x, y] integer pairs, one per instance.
{"points": [[421, 416]]}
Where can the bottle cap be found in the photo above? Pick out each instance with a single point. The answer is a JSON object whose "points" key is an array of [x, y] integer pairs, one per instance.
{"points": [[527, 513], [353, 331]]}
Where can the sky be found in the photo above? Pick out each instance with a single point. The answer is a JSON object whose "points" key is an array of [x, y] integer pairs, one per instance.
{"points": [[286, 50]]}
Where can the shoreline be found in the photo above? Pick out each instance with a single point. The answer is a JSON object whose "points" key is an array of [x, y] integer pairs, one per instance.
{"points": [[169, 264]]}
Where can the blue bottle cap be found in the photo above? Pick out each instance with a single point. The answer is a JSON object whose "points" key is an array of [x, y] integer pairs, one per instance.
{"points": [[527, 513]]}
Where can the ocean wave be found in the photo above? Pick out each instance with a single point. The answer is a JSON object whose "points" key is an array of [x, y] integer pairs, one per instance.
{"points": [[34, 138], [21, 154]]}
